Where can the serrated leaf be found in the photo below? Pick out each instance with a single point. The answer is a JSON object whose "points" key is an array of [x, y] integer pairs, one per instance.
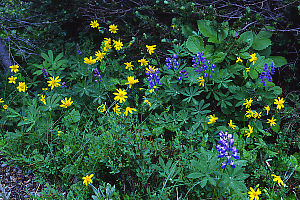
{"points": [[261, 43], [247, 39], [219, 57], [195, 44]]}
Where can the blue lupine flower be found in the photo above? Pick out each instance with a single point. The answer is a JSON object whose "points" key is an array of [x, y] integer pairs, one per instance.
{"points": [[226, 149], [97, 75], [153, 76], [202, 65], [78, 49], [172, 62], [266, 74], [46, 75], [182, 74]]}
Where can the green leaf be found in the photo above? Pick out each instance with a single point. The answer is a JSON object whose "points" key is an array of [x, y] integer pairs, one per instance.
{"points": [[195, 44], [253, 74], [187, 30], [219, 57], [261, 43], [278, 61], [208, 31], [246, 39], [195, 175]]}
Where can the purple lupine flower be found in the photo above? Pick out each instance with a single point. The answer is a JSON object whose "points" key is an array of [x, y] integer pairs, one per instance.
{"points": [[266, 74], [45, 73], [182, 74], [97, 75], [202, 65], [226, 149], [172, 62], [78, 49], [63, 85], [153, 77]]}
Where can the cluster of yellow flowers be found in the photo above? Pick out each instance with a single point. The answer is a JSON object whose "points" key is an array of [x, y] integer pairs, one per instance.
{"points": [[253, 59], [22, 87]]}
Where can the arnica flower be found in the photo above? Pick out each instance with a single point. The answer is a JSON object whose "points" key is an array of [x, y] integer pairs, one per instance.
{"points": [[212, 119], [278, 179], [151, 49], [131, 81], [42, 99], [201, 81], [14, 68], [143, 62], [66, 102], [54, 82], [102, 107], [129, 66], [5, 106], [248, 133], [153, 76], [266, 74], [97, 75], [59, 133], [253, 58], [1, 100], [100, 55], [202, 65], [182, 74], [271, 121], [113, 28], [128, 110], [12, 79], [147, 101], [267, 109], [248, 69], [254, 195], [117, 109], [88, 179], [238, 59], [256, 114], [90, 61], [118, 44], [94, 24], [22, 87], [226, 149], [172, 62], [248, 103], [231, 125], [279, 102], [120, 95], [249, 113]]}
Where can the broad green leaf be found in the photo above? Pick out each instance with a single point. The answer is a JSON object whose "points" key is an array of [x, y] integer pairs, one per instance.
{"points": [[195, 44], [219, 57], [278, 61], [246, 39], [253, 74], [195, 175], [261, 43]]}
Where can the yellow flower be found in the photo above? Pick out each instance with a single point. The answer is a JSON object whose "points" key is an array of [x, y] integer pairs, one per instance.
{"points": [[255, 114], [102, 107], [107, 44], [43, 99], [254, 194], [14, 68], [267, 109], [128, 110], [249, 113], [118, 44], [231, 125], [12, 79], [44, 88], [201, 81], [117, 109], [129, 66], [212, 119], [88, 179], [131, 81], [99, 55], [54, 82], [238, 59], [248, 133], [59, 133], [66, 102], [173, 26], [120, 95], [253, 58], [248, 103], [90, 61], [279, 103], [94, 24], [143, 62], [107, 41], [151, 69], [147, 101], [152, 90], [151, 49], [22, 87], [248, 69], [272, 121], [113, 28], [5, 106], [1, 100], [259, 115], [278, 179]]}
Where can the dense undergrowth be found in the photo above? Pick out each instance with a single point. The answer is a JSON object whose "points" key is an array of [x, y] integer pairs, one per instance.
{"points": [[188, 108]]}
